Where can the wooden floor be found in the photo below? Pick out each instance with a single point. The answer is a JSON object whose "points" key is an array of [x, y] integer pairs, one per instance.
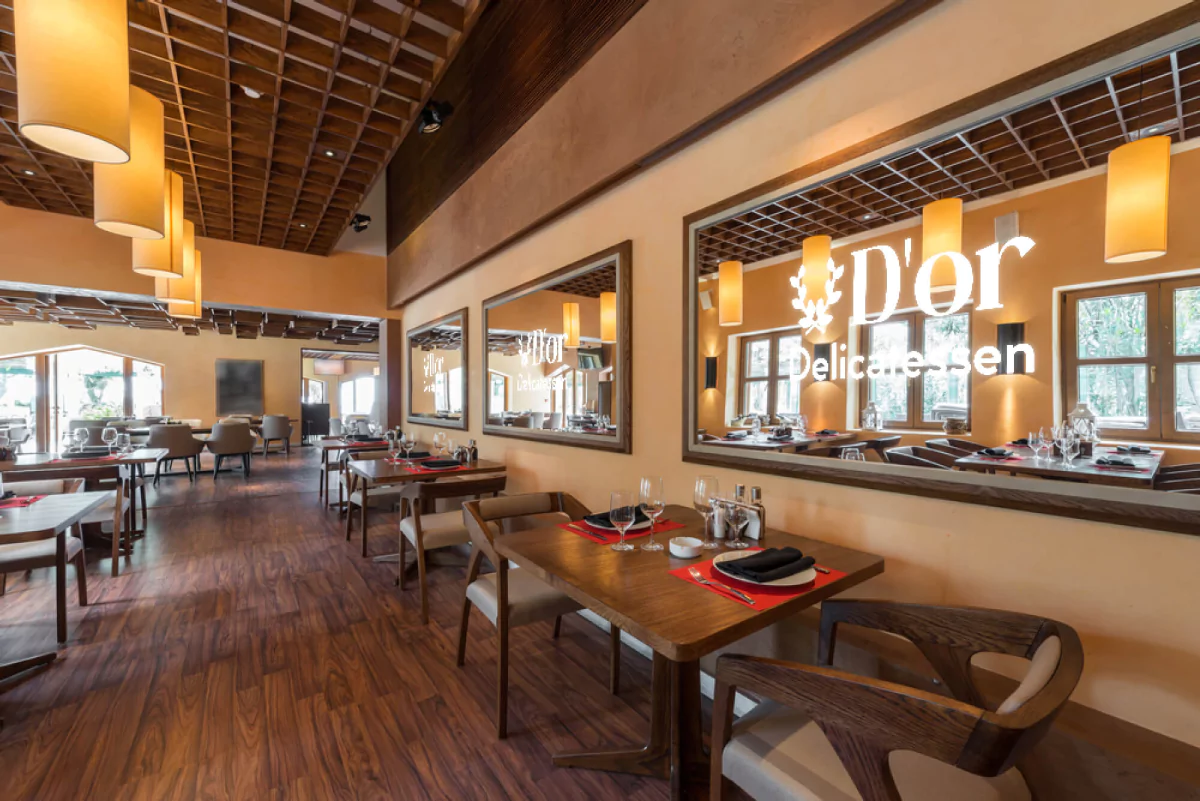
{"points": [[248, 651]]}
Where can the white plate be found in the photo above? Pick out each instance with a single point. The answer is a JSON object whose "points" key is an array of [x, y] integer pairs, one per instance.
{"points": [[634, 527], [798, 580]]}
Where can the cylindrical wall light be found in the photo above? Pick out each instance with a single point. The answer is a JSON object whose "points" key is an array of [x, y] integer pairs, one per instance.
{"points": [[181, 290], [129, 196], [570, 325], [1135, 212], [163, 258], [941, 232], [608, 317], [729, 293], [73, 77], [816, 252]]}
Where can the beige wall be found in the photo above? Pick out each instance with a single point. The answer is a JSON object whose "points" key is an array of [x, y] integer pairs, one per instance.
{"points": [[1131, 593]]}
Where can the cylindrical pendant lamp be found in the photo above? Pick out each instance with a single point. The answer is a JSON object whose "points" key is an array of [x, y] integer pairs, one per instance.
{"points": [[816, 252], [129, 196], [941, 232], [192, 309], [73, 77], [570, 325], [163, 258], [729, 293], [177, 290], [608, 317], [1135, 213]]}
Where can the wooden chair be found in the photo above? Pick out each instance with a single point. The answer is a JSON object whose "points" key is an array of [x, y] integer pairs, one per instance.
{"points": [[349, 483], [427, 532], [879, 445], [965, 444], [825, 734], [1190, 486], [906, 455], [510, 597], [945, 445], [1169, 474]]}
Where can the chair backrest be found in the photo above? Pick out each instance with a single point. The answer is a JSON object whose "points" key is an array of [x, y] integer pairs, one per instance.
{"points": [[177, 439], [48, 486], [879, 445], [483, 517], [335, 427], [941, 458], [1187, 484], [231, 438], [362, 426], [18, 435], [537, 418], [835, 451], [904, 455], [276, 426], [945, 446], [433, 490], [524, 421], [965, 444], [555, 421]]}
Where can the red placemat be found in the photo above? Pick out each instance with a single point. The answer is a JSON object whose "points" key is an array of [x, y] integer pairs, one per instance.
{"points": [[764, 597], [369, 443], [20, 502], [113, 458], [608, 538], [421, 471], [1013, 458]]}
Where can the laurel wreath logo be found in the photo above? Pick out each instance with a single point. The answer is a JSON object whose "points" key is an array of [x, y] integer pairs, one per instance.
{"points": [[816, 312]]}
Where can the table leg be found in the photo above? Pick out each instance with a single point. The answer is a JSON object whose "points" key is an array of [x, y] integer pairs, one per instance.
{"points": [[362, 516], [11, 669], [675, 749]]}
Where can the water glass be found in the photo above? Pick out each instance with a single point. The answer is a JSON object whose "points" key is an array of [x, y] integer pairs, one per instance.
{"points": [[407, 441], [80, 435], [109, 437], [736, 518], [124, 442], [853, 455], [621, 513], [707, 488], [652, 504], [439, 442]]}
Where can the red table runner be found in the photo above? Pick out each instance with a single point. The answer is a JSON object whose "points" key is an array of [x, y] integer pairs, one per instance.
{"points": [[422, 471], [764, 597], [20, 502], [603, 537]]}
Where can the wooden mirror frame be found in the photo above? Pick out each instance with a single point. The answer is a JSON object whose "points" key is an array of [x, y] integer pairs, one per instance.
{"points": [[623, 362], [461, 423], [1144, 508]]}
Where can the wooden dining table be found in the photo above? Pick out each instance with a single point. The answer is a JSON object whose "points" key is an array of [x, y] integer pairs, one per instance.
{"points": [[798, 442], [338, 445], [1080, 469], [680, 621]]}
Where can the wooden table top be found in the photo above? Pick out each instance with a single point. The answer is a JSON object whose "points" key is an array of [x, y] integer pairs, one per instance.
{"points": [[750, 443], [51, 514], [48, 461], [384, 471], [1081, 469], [338, 444], [636, 591]]}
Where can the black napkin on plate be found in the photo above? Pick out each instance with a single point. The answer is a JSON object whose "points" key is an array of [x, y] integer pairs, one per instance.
{"points": [[1115, 461], [736, 435], [1142, 449], [435, 463], [1022, 441], [601, 520], [997, 453], [771, 564], [7, 495], [419, 455], [827, 432]]}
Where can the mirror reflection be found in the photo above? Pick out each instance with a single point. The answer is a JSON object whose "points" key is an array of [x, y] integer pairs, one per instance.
{"points": [[437, 372], [555, 351]]}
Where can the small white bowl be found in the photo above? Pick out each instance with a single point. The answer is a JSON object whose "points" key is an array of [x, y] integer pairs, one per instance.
{"points": [[686, 547]]}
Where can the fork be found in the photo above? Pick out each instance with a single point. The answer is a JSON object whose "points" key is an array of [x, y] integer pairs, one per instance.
{"points": [[695, 574]]}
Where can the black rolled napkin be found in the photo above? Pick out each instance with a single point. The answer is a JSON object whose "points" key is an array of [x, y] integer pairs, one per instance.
{"points": [[436, 463], [1142, 449], [998, 453], [771, 564], [736, 435], [827, 432], [1022, 441], [1115, 461], [602, 520], [419, 455]]}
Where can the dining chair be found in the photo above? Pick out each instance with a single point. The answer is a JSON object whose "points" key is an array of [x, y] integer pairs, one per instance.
{"points": [[522, 421], [824, 734], [1190, 486], [880, 445], [350, 485], [511, 597], [335, 427], [276, 427], [427, 531], [18, 435], [907, 455], [231, 439], [180, 444], [554, 422], [946, 446], [965, 444], [1176, 472]]}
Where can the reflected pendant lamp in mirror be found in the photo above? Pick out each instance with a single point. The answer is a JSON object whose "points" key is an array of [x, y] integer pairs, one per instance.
{"points": [[729, 293], [163, 258], [570, 325], [941, 232], [129, 196], [190, 309], [182, 289], [816, 252], [73, 81], [608, 317], [1135, 212]]}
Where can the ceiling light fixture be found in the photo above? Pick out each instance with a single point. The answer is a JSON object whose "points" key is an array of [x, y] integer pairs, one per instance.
{"points": [[1135, 212], [941, 232], [253, 94], [163, 258], [29, 172], [330, 154], [434, 115], [192, 309], [129, 196], [73, 85], [729, 293], [570, 325], [182, 289], [360, 223], [816, 252], [870, 215], [608, 317], [303, 225]]}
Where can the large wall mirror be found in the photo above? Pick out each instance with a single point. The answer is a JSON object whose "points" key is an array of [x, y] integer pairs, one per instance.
{"points": [[1022, 281], [437, 372], [558, 355]]}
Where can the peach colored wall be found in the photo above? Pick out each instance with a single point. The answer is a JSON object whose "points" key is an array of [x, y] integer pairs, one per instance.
{"points": [[61, 251], [544, 310], [1131, 593]]}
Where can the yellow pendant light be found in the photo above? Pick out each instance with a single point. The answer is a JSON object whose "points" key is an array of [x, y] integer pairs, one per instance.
{"points": [[163, 258], [729, 293], [570, 325], [1135, 213], [941, 232], [192, 309], [816, 252], [608, 317], [73, 77], [129, 196], [181, 290]]}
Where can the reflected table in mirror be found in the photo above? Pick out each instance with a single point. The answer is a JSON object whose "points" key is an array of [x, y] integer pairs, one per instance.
{"points": [[1081, 469], [797, 443]]}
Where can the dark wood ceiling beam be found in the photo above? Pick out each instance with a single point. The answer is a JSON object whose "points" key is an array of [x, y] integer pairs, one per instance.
{"points": [[164, 22], [970, 192], [286, 13]]}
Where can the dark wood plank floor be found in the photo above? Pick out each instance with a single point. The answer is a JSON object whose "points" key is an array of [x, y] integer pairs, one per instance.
{"points": [[247, 651]]}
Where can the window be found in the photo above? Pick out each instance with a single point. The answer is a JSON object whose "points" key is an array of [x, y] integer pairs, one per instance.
{"points": [[497, 392], [147, 388], [768, 368], [312, 391], [1132, 354], [942, 389]]}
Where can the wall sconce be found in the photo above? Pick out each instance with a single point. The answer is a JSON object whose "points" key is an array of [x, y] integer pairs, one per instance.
{"points": [[1011, 334], [710, 372], [823, 350]]}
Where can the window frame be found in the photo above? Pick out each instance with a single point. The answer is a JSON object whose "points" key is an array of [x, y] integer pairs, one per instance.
{"points": [[773, 377]]}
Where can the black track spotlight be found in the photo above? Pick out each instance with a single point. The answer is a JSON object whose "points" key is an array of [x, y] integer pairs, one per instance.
{"points": [[360, 223], [433, 115]]}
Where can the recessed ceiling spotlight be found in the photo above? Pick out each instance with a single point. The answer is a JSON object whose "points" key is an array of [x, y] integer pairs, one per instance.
{"points": [[360, 223], [1157, 129], [29, 172], [329, 154], [303, 225], [434, 115], [870, 215], [253, 94]]}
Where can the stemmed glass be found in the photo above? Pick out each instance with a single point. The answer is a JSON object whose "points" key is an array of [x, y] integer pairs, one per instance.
{"points": [[124, 442], [393, 446], [650, 499], [737, 518], [80, 435], [1035, 443], [707, 488], [109, 437], [621, 513], [439, 442], [853, 455], [373, 428], [407, 441], [1064, 438]]}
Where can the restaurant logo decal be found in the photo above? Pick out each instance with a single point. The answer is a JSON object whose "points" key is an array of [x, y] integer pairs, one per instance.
{"points": [[536, 348], [433, 366]]}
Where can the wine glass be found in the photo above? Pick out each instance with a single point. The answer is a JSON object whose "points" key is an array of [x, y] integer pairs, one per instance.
{"points": [[707, 488], [737, 518], [393, 445], [651, 502], [621, 513], [853, 455], [124, 442], [80, 435], [407, 441], [109, 437], [439, 442], [373, 428]]}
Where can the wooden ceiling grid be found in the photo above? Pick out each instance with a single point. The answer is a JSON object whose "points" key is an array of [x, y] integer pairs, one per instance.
{"points": [[84, 312], [341, 83], [439, 338], [338, 355], [592, 283], [1072, 131]]}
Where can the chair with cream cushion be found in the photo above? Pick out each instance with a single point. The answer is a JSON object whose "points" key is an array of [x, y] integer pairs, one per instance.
{"points": [[827, 735], [430, 531], [276, 427], [512, 597], [335, 427], [231, 439], [18, 435], [180, 444], [352, 487]]}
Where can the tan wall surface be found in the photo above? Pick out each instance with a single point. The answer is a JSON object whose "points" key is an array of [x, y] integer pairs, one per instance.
{"points": [[1131, 593]]}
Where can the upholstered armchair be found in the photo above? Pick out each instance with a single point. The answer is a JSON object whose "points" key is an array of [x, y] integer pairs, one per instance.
{"points": [[276, 427], [231, 439], [180, 444]]}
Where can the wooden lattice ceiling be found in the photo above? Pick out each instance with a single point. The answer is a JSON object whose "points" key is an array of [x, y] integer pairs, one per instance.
{"points": [[592, 283], [85, 312], [1067, 133], [442, 337], [338, 355], [341, 82]]}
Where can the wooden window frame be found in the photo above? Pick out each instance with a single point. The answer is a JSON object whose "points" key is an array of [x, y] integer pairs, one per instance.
{"points": [[504, 378], [772, 378], [916, 386]]}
